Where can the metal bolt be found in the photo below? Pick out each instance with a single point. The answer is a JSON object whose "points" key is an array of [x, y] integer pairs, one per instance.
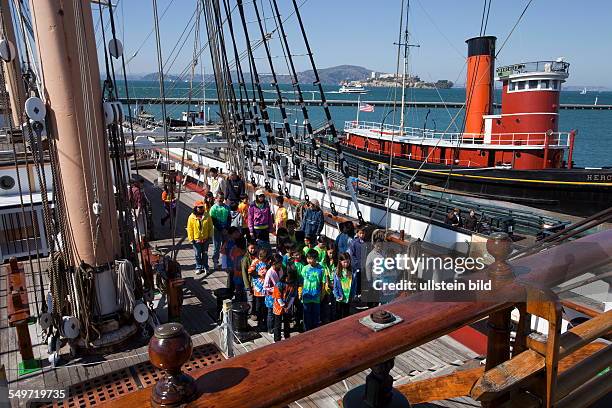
{"points": [[382, 317]]}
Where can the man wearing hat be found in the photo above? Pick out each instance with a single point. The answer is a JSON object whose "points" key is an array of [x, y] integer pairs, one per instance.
{"points": [[199, 232], [260, 217]]}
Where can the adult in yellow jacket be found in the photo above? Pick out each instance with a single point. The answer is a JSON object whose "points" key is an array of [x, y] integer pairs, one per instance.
{"points": [[199, 232]]}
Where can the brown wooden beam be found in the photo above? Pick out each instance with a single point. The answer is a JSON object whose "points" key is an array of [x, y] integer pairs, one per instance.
{"points": [[585, 333], [584, 370], [580, 308], [588, 393], [18, 308], [457, 384], [460, 383]]}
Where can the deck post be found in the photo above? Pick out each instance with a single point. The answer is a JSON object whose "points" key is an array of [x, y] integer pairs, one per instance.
{"points": [[227, 328], [570, 154], [377, 392], [18, 311], [499, 245], [4, 394], [546, 142]]}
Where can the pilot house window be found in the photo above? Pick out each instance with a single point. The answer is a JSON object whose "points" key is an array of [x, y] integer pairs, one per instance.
{"points": [[533, 84]]}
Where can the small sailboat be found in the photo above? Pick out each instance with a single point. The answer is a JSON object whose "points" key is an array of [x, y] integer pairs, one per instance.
{"points": [[583, 92]]}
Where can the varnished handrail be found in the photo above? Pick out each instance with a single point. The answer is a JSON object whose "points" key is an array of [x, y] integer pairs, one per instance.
{"points": [[584, 309], [317, 359]]}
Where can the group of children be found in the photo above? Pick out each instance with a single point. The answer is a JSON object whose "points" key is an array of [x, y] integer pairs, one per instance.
{"points": [[302, 282]]}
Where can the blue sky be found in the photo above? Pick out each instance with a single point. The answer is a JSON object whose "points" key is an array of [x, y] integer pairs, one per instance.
{"points": [[361, 32]]}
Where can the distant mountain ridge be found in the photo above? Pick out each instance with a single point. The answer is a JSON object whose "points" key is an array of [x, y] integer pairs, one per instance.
{"points": [[328, 76]]}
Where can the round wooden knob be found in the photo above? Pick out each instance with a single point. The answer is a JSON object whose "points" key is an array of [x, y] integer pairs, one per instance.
{"points": [[499, 245], [170, 348]]}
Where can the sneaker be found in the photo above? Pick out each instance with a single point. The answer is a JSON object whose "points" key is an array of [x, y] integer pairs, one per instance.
{"points": [[199, 271]]}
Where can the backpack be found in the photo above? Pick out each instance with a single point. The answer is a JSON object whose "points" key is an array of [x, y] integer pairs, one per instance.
{"points": [[236, 219]]}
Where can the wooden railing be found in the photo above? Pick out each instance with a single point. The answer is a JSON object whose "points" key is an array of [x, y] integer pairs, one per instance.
{"points": [[281, 373]]}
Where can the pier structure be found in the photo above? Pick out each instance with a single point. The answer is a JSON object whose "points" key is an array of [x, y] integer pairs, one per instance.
{"points": [[352, 103]]}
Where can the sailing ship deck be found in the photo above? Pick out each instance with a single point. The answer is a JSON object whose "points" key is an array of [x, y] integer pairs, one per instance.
{"points": [[129, 368]]}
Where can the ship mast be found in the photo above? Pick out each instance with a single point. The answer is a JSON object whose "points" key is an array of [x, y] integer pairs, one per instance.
{"points": [[71, 83], [406, 46]]}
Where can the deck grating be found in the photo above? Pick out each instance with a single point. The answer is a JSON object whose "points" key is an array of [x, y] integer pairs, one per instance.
{"points": [[110, 386]]}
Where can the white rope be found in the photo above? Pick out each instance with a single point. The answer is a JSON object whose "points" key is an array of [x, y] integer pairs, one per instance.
{"points": [[126, 299]]}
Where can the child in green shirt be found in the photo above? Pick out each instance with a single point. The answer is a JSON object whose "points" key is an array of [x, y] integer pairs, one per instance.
{"points": [[312, 285]]}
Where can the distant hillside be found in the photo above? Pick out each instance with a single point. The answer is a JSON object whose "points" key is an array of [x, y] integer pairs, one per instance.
{"points": [[328, 76], [155, 77], [334, 75]]}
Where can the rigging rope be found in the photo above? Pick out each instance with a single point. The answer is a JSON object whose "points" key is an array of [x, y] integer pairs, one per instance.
{"points": [[193, 65], [162, 93], [514, 27], [275, 156], [125, 285], [8, 119], [344, 169], [399, 47], [128, 222], [475, 80]]}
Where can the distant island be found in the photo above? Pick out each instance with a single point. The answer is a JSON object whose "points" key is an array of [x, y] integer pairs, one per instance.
{"points": [[412, 81], [328, 76]]}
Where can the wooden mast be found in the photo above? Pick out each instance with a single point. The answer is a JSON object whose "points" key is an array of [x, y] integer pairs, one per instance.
{"points": [[71, 83]]}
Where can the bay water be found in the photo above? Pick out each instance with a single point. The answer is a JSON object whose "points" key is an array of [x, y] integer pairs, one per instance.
{"points": [[593, 141]]}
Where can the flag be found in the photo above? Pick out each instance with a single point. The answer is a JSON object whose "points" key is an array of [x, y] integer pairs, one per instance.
{"points": [[366, 107]]}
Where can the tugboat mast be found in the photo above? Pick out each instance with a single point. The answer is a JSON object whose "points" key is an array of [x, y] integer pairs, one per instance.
{"points": [[406, 45]]}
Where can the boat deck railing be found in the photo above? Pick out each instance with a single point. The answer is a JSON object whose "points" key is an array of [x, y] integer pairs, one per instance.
{"points": [[573, 361], [533, 66], [373, 187], [389, 132]]}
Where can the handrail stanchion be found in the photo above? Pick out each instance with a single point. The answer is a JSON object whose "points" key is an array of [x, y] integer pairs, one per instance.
{"points": [[378, 391]]}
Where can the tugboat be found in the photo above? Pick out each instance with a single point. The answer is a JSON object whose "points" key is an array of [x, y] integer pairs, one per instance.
{"points": [[518, 155], [188, 119]]}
